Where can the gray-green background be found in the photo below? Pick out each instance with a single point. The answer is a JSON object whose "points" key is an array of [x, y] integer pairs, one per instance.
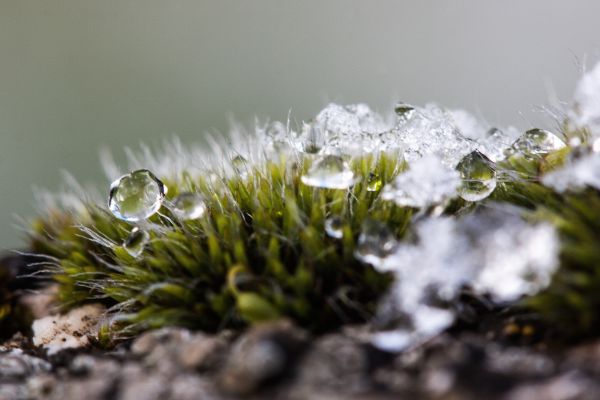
{"points": [[78, 74]]}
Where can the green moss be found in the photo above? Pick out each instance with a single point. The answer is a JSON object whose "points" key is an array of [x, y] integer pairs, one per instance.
{"points": [[260, 252]]}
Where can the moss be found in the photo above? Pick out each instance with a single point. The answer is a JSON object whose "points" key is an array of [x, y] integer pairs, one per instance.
{"points": [[261, 252]]}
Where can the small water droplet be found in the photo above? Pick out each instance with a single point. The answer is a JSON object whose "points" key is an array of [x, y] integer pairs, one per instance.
{"points": [[330, 172], [536, 142], [375, 243], [188, 206], [374, 182], [404, 111], [478, 175], [136, 196], [136, 242], [240, 166], [334, 227]]}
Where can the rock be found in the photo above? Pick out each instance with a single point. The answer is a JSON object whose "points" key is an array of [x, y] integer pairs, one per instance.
{"points": [[16, 364], [334, 363], [264, 354], [181, 348], [71, 330], [568, 386]]}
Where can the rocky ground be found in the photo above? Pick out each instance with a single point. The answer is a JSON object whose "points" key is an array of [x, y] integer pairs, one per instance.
{"points": [[490, 354], [280, 361]]}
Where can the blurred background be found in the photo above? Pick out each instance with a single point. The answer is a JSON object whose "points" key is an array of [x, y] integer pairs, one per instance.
{"points": [[79, 74]]}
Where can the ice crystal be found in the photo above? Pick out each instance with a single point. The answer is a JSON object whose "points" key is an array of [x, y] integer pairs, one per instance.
{"points": [[494, 251], [427, 182], [586, 109], [430, 131], [578, 173]]}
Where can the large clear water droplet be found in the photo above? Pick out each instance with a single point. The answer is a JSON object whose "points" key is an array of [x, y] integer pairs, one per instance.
{"points": [[136, 242], [330, 172], [374, 182], [189, 206], [334, 227], [536, 142], [478, 175], [375, 243], [136, 196]]}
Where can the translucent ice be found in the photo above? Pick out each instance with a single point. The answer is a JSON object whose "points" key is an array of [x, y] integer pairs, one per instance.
{"points": [[330, 172], [496, 142], [430, 131], [350, 129], [136, 196], [427, 182]]}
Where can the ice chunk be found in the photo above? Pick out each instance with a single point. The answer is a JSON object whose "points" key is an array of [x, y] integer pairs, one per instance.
{"points": [[494, 251], [430, 131], [586, 108], [427, 182], [468, 125], [576, 174], [496, 142]]}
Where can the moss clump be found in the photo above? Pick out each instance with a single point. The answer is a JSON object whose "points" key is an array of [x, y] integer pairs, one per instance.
{"points": [[260, 252]]}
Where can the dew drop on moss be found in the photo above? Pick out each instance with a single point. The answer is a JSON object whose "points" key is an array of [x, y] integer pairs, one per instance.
{"points": [[240, 166], [136, 241], [536, 142], [478, 177], [334, 227], [375, 243], [329, 172], [374, 182], [136, 196], [189, 206]]}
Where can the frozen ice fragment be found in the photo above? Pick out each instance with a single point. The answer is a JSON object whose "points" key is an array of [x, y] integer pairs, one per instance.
{"points": [[427, 182]]}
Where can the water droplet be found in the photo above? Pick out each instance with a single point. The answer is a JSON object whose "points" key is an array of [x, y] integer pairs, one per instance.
{"points": [[240, 166], [136, 241], [136, 196], [334, 227], [374, 182], [404, 111], [330, 172], [375, 243], [536, 142], [478, 175], [311, 141], [188, 206]]}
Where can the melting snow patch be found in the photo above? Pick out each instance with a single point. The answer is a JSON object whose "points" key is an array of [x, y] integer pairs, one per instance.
{"points": [[495, 252]]}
